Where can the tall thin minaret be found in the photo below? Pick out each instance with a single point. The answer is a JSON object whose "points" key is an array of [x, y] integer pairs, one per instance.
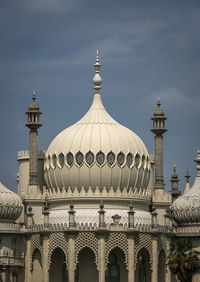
{"points": [[33, 124], [159, 129]]}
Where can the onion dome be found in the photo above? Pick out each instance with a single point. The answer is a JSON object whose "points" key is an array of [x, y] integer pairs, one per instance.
{"points": [[186, 209], [97, 152], [10, 204]]}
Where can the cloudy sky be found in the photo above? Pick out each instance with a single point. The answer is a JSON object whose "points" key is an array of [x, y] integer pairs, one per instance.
{"points": [[147, 49]]}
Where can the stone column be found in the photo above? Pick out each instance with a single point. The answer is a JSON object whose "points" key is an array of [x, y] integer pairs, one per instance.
{"points": [[168, 276], [131, 254], [71, 257], [45, 265], [101, 251], [154, 276], [11, 275], [28, 260], [3, 274]]}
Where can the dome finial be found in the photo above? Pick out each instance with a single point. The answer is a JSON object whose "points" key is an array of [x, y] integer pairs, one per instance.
{"points": [[97, 78], [197, 160], [33, 95], [187, 176], [158, 102], [174, 168]]}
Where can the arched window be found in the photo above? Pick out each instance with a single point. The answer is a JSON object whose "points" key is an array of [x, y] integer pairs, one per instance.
{"points": [[113, 270]]}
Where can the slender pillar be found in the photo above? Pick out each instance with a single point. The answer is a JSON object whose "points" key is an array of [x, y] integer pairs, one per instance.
{"points": [[27, 259], [10, 274], [131, 262], [71, 258], [3, 274], [33, 124], [154, 276], [168, 276], [101, 251], [159, 129], [45, 265]]}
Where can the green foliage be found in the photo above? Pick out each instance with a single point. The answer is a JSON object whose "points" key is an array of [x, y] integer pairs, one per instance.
{"points": [[183, 261]]}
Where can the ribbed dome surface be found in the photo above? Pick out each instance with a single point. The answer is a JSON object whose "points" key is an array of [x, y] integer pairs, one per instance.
{"points": [[186, 209], [10, 204], [99, 152]]}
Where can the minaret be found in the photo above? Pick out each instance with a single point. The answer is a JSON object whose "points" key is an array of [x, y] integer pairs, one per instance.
{"points": [[33, 124], [159, 129], [187, 186], [174, 185]]}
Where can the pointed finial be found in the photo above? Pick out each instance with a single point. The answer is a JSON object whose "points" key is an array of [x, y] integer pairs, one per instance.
{"points": [[97, 78], [158, 102], [187, 176], [33, 95], [174, 168]]}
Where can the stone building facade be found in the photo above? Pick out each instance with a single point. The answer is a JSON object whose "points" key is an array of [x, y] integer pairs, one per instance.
{"points": [[92, 207]]}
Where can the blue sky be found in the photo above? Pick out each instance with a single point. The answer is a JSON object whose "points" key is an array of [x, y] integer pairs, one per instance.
{"points": [[147, 49]]}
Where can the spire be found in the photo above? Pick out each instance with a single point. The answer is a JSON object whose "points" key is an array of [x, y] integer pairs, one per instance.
{"points": [[97, 78], [187, 186], [158, 102], [187, 176], [33, 95]]}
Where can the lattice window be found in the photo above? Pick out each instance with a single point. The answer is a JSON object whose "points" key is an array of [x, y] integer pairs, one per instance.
{"points": [[70, 159], [143, 240], [79, 158], [129, 159], [100, 158], [36, 243], [54, 158], [57, 240], [89, 157], [114, 240], [120, 159], [137, 160], [61, 159], [111, 158], [143, 160], [89, 240]]}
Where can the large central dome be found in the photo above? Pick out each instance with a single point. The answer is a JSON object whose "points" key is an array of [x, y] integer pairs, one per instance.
{"points": [[97, 152]]}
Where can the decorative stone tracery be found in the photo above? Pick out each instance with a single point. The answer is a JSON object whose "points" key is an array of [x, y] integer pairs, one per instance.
{"points": [[36, 244], [143, 240], [58, 240], [89, 240], [162, 243], [116, 240]]}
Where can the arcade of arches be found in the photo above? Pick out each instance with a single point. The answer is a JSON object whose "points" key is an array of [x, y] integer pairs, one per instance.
{"points": [[86, 268]]}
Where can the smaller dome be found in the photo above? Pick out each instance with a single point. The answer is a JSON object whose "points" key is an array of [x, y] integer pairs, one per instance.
{"points": [[186, 209], [10, 204], [158, 111]]}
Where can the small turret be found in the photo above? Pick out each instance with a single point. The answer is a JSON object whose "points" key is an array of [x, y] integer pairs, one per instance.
{"points": [[174, 185]]}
